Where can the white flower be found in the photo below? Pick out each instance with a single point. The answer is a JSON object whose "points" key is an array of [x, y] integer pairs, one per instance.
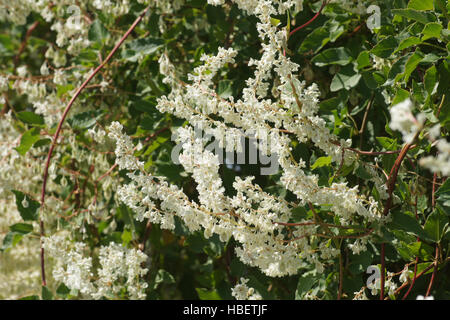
{"points": [[420, 297], [404, 121], [22, 71], [25, 202], [44, 69], [405, 275], [440, 162], [242, 292]]}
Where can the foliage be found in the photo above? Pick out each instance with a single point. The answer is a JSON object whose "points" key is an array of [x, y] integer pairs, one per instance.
{"points": [[361, 113]]}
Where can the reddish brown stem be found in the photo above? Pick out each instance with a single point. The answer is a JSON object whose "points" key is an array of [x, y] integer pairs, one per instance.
{"points": [[341, 276], [406, 283], [433, 204], [382, 271], [63, 117], [433, 276], [417, 258], [414, 279], [391, 184], [373, 153], [310, 21], [24, 42]]}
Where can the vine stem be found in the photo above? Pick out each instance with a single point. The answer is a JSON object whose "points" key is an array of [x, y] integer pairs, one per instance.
{"points": [[391, 185], [24, 42], [311, 20], [341, 275], [414, 279], [417, 257], [63, 117], [433, 204], [433, 276]]}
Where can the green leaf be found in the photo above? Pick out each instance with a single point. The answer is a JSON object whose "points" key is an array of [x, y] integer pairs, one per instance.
{"points": [[408, 42], [423, 17], [30, 118], [141, 47], [363, 59], [321, 162], [10, 240], [422, 250], [33, 297], [385, 47], [373, 79], [22, 228], [46, 293], [205, 294], [387, 143], [432, 30], [147, 106], [164, 277], [98, 32], [41, 142], [274, 22], [412, 64], [397, 69], [431, 80], [423, 266], [330, 56], [30, 212], [443, 197], [400, 96], [224, 89], [362, 173], [421, 5], [158, 142], [85, 120], [346, 79], [436, 223], [408, 223], [315, 40], [62, 290], [126, 237], [305, 283], [28, 139], [360, 262]]}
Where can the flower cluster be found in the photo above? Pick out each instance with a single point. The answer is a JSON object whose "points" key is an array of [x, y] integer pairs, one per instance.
{"points": [[119, 268], [242, 292]]}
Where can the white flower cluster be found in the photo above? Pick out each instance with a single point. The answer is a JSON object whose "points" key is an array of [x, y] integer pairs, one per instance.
{"points": [[389, 284], [120, 268], [421, 297], [250, 216], [404, 121], [118, 262], [263, 242], [71, 267], [242, 292], [441, 162]]}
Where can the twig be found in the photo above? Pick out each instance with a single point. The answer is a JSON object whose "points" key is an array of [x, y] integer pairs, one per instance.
{"points": [[63, 117], [24, 42], [341, 275], [391, 184], [433, 276], [433, 204], [311, 20], [363, 125]]}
